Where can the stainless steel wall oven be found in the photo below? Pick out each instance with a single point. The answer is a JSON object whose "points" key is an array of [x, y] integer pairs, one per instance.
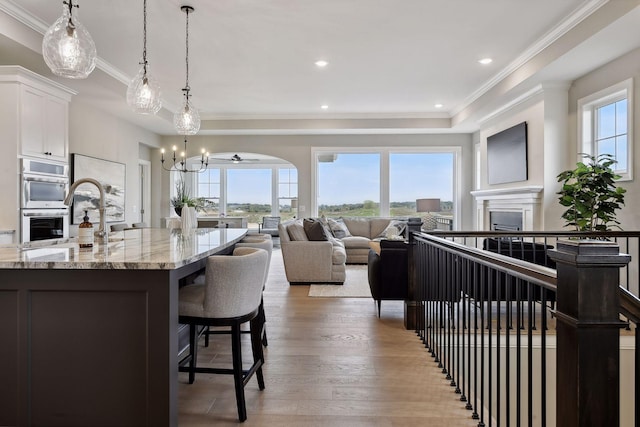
{"points": [[44, 185], [44, 224]]}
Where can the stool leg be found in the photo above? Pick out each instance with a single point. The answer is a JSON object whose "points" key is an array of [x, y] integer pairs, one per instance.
{"points": [[236, 350], [263, 323], [193, 351], [256, 347]]}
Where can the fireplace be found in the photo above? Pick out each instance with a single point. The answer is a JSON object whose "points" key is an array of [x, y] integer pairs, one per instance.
{"points": [[509, 209], [505, 221]]}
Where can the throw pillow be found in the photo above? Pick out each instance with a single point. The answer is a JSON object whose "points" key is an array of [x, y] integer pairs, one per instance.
{"points": [[393, 230], [338, 228], [314, 229], [296, 232]]}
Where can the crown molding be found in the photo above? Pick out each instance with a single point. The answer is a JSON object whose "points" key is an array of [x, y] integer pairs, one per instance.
{"points": [[577, 16], [38, 25]]}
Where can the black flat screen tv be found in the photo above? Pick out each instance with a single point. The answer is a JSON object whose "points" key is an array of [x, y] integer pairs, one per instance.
{"points": [[507, 155]]}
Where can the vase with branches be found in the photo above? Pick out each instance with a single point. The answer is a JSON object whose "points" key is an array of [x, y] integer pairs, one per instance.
{"points": [[590, 193], [183, 198]]}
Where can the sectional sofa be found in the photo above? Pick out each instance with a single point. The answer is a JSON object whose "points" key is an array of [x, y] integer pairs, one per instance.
{"points": [[320, 257]]}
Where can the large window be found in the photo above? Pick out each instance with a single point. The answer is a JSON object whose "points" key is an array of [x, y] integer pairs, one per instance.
{"points": [[348, 184], [249, 193], [605, 126], [415, 176], [287, 193], [209, 189], [269, 188], [386, 182]]}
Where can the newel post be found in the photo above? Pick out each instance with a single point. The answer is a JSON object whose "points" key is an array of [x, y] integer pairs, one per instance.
{"points": [[588, 332], [411, 322]]}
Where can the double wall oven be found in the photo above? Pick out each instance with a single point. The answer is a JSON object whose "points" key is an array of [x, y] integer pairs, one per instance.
{"points": [[44, 185]]}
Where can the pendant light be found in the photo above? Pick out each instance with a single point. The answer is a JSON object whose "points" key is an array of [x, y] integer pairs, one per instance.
{"points": [[67, 47], [187, 119], [143, 92]]}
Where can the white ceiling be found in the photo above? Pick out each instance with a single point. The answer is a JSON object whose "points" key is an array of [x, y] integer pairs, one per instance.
{"points": [[252, 61]]}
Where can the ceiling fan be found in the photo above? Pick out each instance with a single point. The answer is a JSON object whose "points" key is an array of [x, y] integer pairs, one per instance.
{"points": [[235, 159]]}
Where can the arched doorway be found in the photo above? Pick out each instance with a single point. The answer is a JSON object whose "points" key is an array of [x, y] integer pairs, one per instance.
{"points": [[247, 184]]}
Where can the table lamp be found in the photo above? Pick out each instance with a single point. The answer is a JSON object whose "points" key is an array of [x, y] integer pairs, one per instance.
{"points": [[428, 205]]}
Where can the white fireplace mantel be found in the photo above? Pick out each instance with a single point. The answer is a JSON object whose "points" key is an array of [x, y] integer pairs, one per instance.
{"points": [[526, 200]]}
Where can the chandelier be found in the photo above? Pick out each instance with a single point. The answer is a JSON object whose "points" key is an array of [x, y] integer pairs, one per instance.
{"points": [[187, 119], [67, 46], [180, 161], [143, 92]]}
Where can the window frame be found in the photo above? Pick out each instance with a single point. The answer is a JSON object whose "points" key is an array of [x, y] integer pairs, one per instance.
{"points": [[587, 121], [274, 168], [384, 172]]}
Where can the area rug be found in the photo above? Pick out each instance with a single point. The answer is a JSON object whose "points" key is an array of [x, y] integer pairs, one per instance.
{"points": [[356, 285]]}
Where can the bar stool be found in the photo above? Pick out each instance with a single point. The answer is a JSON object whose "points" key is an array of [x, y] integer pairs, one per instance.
{"points": [[262, 241], [230, 296]]}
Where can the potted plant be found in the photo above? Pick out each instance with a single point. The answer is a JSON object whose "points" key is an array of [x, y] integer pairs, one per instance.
{"points": [[183, 198], [589, 192]]}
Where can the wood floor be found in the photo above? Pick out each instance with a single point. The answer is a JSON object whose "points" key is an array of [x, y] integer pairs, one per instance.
{"points": [[330, 362]]}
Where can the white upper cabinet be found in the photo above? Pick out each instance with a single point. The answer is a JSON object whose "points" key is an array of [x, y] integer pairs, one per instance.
{"points": [[44, 125], [41, 125]]}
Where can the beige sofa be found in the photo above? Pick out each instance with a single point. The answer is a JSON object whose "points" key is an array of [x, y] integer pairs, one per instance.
{"points": [[310, 261], [324, 261], [363, 230]]}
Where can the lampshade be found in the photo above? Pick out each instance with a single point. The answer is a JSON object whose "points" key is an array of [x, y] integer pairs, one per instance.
{"points": [[428, 205], [67, 47], [294, 203], [143, 93], [187, 119]]}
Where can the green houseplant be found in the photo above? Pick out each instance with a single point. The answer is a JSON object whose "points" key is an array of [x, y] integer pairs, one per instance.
{"points": [[183, 198], [589, 192]]}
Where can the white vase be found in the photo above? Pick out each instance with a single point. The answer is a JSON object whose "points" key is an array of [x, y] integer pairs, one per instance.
{"points": [[189, 218]]}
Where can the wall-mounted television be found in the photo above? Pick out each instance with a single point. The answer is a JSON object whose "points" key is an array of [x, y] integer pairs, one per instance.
{"points": [[507, 155]]}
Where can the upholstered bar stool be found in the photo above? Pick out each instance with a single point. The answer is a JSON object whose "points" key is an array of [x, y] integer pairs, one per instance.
{"points": [[120, 227], [230, 296], [260, 241]]}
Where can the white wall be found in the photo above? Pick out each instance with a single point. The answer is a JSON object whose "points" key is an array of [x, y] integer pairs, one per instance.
{"points": [[296, 149], [552, 136], [95, 133], [614, 72]]}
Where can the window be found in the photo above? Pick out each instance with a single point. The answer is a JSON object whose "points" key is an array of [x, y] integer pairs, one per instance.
{"points": [[409, 178], [605, 126], [209, 189], [348, 184], [386, 182], [249, 193], [287, 193]]}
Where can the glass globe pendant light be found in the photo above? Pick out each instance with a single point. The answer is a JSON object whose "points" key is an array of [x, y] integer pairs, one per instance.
{"points": [[187, 120], [143, 92], [67, 47]]}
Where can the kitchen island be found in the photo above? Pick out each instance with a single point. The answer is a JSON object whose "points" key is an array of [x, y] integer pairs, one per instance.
{"points": [[89, 336]]}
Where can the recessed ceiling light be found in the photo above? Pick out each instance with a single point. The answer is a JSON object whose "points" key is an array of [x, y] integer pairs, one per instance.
{"points": [[321, 63], [438, 105], [324, 107], [485, 61]]}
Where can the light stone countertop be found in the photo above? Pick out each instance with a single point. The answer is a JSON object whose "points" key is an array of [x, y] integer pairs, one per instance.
{"points": [[138, 249]]}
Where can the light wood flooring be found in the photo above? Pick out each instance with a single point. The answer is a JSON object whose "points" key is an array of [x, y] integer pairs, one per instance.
{"points": [[330, 362]]}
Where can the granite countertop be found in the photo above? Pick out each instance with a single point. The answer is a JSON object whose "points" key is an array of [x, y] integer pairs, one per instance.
{"points": [[141, 249]]}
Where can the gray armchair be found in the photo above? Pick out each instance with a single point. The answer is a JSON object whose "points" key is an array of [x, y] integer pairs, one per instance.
{"points": [[269, 225]]}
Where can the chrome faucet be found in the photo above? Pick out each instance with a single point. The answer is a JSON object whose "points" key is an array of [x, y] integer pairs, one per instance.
{"points": [[102, 231]]}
